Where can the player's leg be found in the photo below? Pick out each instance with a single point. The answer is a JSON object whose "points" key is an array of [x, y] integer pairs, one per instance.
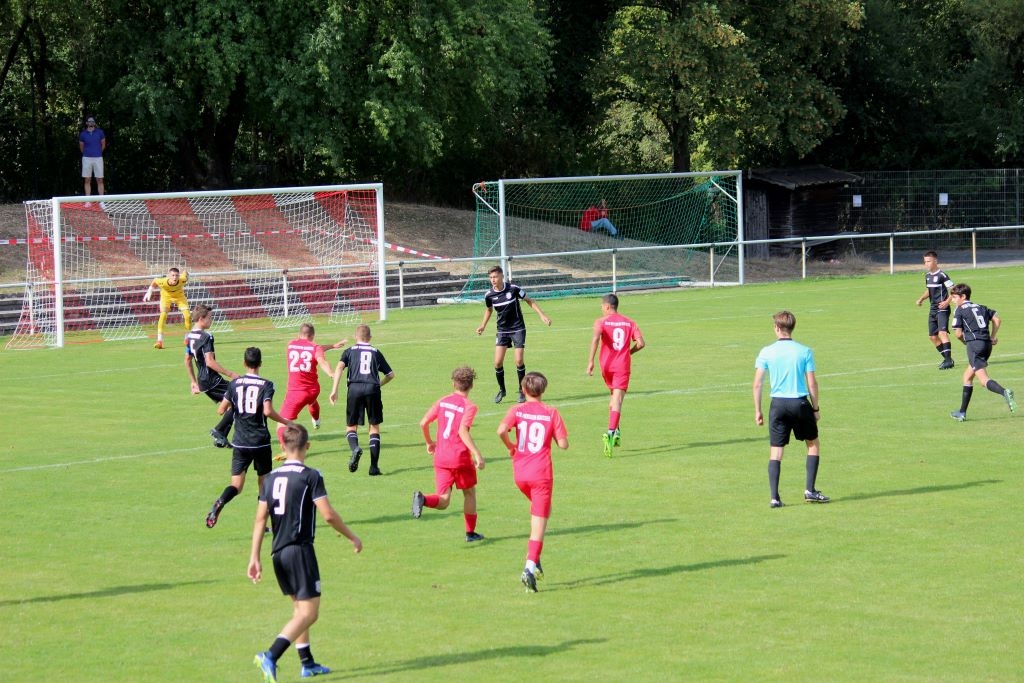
{"points": [[314, 410], [374, 440], [944, 347], [305, 612], [465, 481], [309, 664], [500, 348], [161, 322], [239, 464], [539, 493], [519, 353], [293, 403], [186, 313], [355, 410], [812, 494]]}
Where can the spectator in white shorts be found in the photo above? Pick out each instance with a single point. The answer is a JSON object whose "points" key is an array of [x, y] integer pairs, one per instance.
{"points": [[92, 142]]}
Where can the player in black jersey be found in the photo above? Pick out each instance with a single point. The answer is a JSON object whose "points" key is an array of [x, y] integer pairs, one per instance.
{"points": [[206, 376], [936, 291], [365, 366], [250, 398], [291, 495], [971, 323], [503, 298]]}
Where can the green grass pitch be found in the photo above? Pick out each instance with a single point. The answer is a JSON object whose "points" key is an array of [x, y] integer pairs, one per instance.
{"points": [[662, 563]]}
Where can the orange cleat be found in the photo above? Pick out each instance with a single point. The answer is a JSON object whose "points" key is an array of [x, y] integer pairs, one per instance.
{"points": [[158, 345]]}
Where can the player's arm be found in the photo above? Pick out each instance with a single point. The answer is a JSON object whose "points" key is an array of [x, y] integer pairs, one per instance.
{"points": [[464, 426], [638, 343], [337, 379], [595, 342], [191, 373], [428, 419], [561, 435], [503, 431], [268, 410], [223, 406], [387, 378], [258, 529], [996, 322], [487, 317], [211, 362], [812, 392], [533, 304], [153, 286], [332, 517], [758, 383]]}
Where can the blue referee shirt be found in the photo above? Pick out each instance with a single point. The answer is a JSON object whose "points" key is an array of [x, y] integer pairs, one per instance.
{"points": [[787, 363]]}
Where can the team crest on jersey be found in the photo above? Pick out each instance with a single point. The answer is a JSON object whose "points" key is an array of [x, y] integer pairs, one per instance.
{"points": [[508, 295]]}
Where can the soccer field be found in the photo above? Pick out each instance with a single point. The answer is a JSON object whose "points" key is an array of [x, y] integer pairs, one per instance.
{"points": [[662, 563]]}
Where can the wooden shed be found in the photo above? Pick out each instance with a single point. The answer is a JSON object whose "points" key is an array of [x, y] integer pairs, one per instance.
{"points": [[802, 201]]}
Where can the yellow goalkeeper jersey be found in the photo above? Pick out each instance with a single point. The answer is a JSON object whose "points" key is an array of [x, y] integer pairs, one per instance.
{"points": [[169, 291]]}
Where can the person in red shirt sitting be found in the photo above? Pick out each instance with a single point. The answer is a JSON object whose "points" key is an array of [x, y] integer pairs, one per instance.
{"points": [[596, 218]]}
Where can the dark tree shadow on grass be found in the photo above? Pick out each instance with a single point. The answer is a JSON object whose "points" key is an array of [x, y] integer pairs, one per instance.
{"points": [[457, 658], [113, 591]]}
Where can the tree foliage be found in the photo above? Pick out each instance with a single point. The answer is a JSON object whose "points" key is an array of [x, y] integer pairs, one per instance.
{"points": [[432, 96]]}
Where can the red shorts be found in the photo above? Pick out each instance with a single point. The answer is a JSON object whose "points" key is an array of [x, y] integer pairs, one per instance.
{"points": [[539, 493], [461, 478], [295, 401], [616, 380]]}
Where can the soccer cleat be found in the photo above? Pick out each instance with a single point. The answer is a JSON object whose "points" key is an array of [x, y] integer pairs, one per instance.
{"points": [[522, 397], [158, 345], [958, 416], [815, 497], [1008, 395], [500, 396], [529, 580], [472, 536], [375, 471], [946, 364], [316, 425], [777, 503], [214, 513], [313, 669], [219, 440], [353, 462], [606, 440], [616, 438], [418, 500], [268, 666]]}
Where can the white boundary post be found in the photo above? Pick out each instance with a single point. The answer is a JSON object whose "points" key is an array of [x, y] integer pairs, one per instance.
{"points": [[58, 275], [382, 276]]}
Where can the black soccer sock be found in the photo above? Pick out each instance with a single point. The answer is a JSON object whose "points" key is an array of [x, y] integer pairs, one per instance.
{"points": [[278, 648], [224, 426], [499, 374], [965, 397], [520, 373], [353, 441], [946, 349], [812, 471], [374, 449], [305, 654], [995, 387], [774, 469], [229, 493]]}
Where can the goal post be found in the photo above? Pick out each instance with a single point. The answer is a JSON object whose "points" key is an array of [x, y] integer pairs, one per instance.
{"points": [[283, 254], [607, 233]]}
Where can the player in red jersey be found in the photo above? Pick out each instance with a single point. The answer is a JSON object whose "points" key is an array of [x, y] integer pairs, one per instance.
{"points": [[619, 338], [456, 457], [305, 358], [536, 426]]}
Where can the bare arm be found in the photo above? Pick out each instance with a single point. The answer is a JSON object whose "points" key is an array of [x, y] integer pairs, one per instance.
{"points": [[427, 437], [503, 431], [812, 390], [258, 528], [387, 378], [638, 344], [191, 374], [487, 317], [595, 342], [467, 438], [758, 382], [223, 406], [211, 362], [332, 517], [996, 322], [337, 379], [533, 304], [268, 410]]}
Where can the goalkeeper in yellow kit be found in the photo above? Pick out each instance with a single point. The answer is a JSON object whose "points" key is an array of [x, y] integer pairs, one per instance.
{"points": [[172, 291]]}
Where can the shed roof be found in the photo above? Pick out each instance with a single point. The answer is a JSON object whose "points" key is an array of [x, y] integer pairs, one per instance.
{"points": [[802, 176]]}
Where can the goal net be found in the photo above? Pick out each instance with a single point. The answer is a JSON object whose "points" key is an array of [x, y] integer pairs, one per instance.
{"points": [[283, 255], [562, 236]]}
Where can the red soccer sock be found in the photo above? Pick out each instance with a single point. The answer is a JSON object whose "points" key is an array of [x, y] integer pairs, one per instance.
{"points": [[431, 500], [533, 549], [470, 522], [314, 410], [613, 420]]}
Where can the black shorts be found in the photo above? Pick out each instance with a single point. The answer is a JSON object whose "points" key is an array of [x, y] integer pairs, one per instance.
{"points": [[297, 571], [261, 458], [978, 353], [217, 390], [364, 400], [791, 415], [516, 340], [938, 321]]}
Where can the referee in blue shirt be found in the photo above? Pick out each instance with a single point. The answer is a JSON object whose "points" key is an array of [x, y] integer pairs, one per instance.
{"points": [[794, 405]]}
